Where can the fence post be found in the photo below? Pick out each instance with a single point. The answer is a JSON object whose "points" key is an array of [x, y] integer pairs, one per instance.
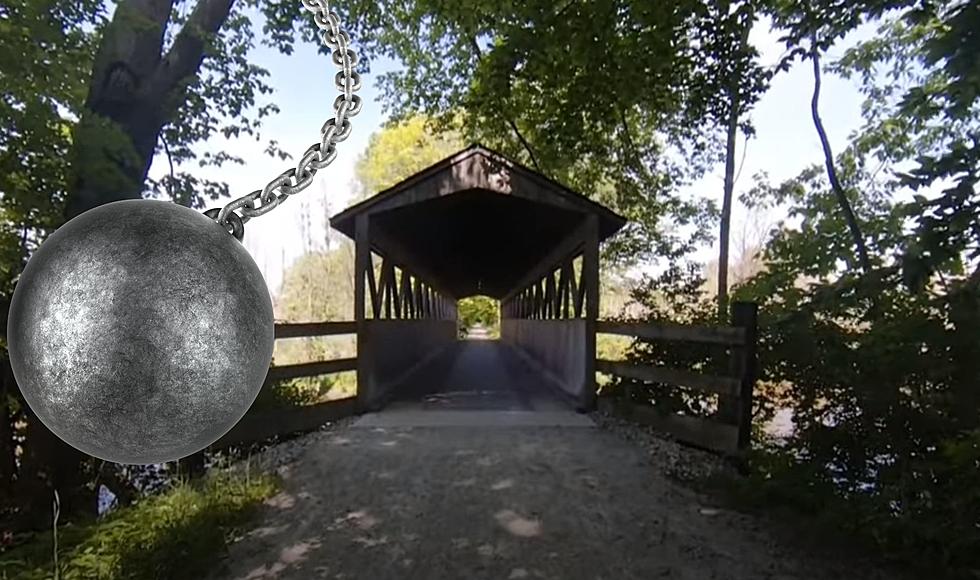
{"points": [[744, 358]]}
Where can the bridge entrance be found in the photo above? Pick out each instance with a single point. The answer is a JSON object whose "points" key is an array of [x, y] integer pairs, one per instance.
{"points": [[477, 223], [474, 224]]}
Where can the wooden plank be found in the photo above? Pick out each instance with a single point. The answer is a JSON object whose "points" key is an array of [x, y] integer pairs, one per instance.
{"points": [[580, 289], [304, 329], [362, 252], [563, 290], [703, 382], [550, 312], [388, 283], [695, 431], [406, 294], [708, 334], [312, 369], [397, 291], [373, 289], [418, 298], [262, 425]]}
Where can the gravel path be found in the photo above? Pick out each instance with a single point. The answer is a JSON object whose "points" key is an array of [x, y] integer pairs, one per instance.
{"points": [[434, 503]]}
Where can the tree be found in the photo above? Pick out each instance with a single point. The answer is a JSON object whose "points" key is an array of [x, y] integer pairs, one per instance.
{"points": [[479, 311], [318, 286], [739, 102], [400, 150], [608, 97], [842, 200], [821, 24], [107, 95]]}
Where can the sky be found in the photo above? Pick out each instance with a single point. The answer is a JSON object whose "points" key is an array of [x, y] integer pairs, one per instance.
{"points": [[785, 141]]}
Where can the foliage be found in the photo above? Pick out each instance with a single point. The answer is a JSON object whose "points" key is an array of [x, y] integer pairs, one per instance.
{"points": [[318, 286], [292, 392], [40, 95], [400, 150], [879, 369], [54, 57], [174, 534], [615, 98], [478, 310], [222, 98]]}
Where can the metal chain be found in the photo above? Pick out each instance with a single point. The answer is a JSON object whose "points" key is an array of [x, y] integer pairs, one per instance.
{"points": [[319, 155]]}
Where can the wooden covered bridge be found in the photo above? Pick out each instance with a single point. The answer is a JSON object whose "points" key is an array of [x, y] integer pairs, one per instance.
{"points": [[477, 223]]}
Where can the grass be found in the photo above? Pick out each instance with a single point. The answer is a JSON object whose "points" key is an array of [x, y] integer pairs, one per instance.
{"points": [[177, 534]]}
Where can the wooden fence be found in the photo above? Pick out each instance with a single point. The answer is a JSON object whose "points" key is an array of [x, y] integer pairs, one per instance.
{"points": [[263, 424], [729, 431]]}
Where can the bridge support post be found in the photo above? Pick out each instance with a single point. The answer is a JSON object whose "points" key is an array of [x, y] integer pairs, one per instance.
{"points": [[362, 260], [590, 278]]}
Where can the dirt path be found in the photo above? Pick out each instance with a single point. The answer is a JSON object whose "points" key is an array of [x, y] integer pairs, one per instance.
{"points": [[433, 503]]}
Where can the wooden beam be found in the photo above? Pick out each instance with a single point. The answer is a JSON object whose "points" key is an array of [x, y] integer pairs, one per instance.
{"points": [[745, 315], [551, 296], [578, 291], [570, 245], [362, 254], [707, 383], [388, 283], [373, 288], [563, 291], [702, 433], [313, 369], [647, 331], [303, 329], [590, 281]]}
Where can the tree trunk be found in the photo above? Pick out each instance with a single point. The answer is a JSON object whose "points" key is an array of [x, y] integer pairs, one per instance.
{"points": [[8, 463], [50, 464], [726, 204], [134, 91], [726, 211], [828, 156], [192, 466]]}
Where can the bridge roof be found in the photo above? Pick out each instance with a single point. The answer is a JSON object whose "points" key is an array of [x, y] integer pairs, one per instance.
{"points": [[475, 222]]}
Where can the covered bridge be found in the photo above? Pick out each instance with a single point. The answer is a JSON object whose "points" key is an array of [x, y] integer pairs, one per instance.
{"points": [[476, 223]]}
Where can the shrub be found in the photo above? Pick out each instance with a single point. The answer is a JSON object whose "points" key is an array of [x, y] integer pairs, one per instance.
{"points": [[176, 534]]}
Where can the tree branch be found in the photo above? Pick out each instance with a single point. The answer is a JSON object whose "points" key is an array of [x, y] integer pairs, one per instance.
{"points": [[170, 159], [513, 125], [828, 155], [185, 56], [130, 51], [527, 146], [631, 147]]}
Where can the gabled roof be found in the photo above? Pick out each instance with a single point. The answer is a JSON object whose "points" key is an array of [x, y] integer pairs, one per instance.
{"points": [[478, 167], [475, 222]]}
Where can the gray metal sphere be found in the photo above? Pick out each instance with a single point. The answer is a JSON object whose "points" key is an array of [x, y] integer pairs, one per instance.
{"points": [[140, 332]]}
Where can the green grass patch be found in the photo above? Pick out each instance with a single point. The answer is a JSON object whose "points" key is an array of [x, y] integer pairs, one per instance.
{"points": [[177, 534]]}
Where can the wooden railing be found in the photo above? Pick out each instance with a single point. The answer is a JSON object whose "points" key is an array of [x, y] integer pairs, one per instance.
{"points": [[729, 431], [264, 424]]}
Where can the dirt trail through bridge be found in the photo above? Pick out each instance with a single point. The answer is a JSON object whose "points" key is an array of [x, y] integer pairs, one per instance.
{"points": [[515, 487]]}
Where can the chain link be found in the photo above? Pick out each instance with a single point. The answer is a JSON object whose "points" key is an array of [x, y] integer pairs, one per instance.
{"points": [[319, 155]]}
